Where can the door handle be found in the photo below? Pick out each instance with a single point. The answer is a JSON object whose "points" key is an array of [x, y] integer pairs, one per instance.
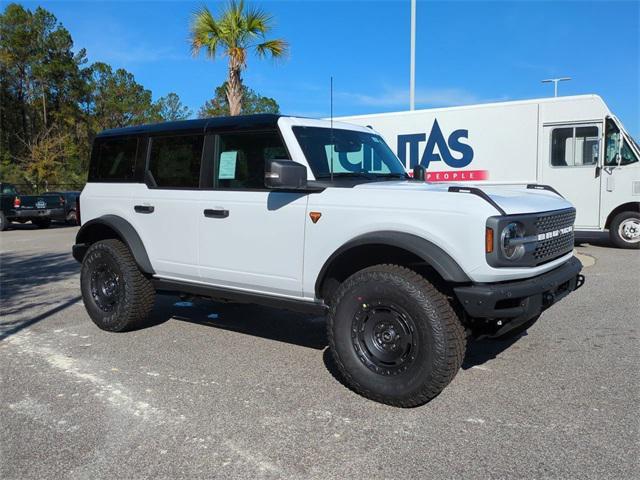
{"points": [[216, 213], [144, 208]]}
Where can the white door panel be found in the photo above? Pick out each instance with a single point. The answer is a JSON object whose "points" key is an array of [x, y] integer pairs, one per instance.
{"points": [[258, 245], [170, 232], [570, 154]]}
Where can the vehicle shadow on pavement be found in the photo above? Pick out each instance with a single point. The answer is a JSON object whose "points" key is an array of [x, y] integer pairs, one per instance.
{"points": [[482, 351], [270, 323], [288, 327], [24, 280], [600, 239], [23, 277]]}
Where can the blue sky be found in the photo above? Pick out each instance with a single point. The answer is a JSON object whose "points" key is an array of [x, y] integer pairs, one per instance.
{"points": [[467, 52]]}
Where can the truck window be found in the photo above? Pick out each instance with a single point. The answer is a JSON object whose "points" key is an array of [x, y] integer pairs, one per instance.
{"points": [[114, 159], [8, 189], [574, 146], [615, 153], [174, 162], [242, 156]]}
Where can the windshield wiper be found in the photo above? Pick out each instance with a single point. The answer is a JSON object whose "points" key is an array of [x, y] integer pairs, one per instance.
{"points": [[392, 175], [349, 174]]}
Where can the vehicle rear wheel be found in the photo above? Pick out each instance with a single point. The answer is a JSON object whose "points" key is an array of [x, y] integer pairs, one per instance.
{"points": [[116, 294], [42, 222], [394, 337], [4, 223], [624, 230], [72, 218]]}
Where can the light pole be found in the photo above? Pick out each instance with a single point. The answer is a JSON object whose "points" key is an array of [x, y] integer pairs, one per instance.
{"points": [[555, 82], [412, 68]]}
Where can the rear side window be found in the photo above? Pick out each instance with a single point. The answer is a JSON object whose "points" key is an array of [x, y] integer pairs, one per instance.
{"points": [[114, 159], [174, 162]]}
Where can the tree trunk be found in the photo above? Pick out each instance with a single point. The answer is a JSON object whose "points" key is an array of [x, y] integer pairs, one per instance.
{"points": [[234, 89]]}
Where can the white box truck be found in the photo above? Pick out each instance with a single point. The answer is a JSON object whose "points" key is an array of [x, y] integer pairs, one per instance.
{"points": [[573, 144]]}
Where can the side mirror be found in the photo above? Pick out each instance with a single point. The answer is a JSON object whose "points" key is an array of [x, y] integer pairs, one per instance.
{"points": [[419, 173], [285, 175]]}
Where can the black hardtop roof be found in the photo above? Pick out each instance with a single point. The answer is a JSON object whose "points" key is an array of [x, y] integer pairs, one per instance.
{"points": [[240, 122]]}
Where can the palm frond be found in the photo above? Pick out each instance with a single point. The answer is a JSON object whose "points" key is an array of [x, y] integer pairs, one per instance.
{"points": [[276, 48], [205, 32], [257, 21]]}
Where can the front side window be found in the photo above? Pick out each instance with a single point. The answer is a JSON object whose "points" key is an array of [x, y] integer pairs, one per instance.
{"points": [[347, 153], [617, 149], [174, 162], [242, 157], [114, 159], [574, 146]]}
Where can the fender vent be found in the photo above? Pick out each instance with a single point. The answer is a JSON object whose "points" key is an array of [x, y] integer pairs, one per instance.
{"points": [[635, 188]]}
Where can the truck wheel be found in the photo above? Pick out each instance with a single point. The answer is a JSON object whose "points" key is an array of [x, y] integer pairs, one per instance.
{"points": [[4, 223], [625, 230], [394, 337], [42, 222], [71, 218], [117, 296]]}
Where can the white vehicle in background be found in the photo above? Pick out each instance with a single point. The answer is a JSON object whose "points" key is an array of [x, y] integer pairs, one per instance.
{"points": [[574, 144]]}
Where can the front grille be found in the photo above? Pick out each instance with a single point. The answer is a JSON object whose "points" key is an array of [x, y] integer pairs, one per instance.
{"points": [[557, 244]]}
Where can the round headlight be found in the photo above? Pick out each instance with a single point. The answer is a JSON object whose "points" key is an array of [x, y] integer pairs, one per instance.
{"points": [[511, 248]]}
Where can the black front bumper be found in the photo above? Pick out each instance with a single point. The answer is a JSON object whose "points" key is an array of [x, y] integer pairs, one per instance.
{"points": [[520, 300]]}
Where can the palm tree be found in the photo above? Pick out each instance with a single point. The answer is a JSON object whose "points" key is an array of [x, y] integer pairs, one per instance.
{"points": [[238, 31]]}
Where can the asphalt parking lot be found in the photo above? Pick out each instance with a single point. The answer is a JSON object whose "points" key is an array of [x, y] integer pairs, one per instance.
{"points": [[216, 390]]}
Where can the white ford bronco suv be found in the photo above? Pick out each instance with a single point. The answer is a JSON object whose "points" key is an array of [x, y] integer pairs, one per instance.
{"points": [[321, 217]]}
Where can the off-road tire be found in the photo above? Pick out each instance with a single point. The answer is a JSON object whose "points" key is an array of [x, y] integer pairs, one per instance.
{"points": [[439, 335], [614, 230], [42, 222], [4, 223], [133, 295]]}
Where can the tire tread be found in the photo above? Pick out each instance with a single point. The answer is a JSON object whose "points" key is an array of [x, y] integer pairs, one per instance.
{"points": [[454, 334]]}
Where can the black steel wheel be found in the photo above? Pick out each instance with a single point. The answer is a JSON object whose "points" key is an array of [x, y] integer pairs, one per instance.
{"points": [[106, 285], [385, 337], [394, 337], [116, 294]]}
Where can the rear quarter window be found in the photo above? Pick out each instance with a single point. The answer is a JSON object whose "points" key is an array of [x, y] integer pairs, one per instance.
{"points": [[114, 159]]}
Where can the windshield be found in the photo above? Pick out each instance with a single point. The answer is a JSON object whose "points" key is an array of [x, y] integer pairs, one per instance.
{"points": [[8, 189], [617, 150], [348, 153]]}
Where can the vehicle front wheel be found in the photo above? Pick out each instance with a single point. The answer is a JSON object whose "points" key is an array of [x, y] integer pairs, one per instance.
{"points": [[4, 223], [42, 222], [625, 230], [394, 337], [116, 294]]}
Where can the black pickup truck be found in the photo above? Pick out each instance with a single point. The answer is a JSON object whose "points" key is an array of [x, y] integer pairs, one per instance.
{"points": [[39, 209]]}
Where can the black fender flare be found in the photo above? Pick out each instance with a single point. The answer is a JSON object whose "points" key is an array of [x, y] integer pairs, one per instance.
{"points": [[123, 231], [432, 254]]}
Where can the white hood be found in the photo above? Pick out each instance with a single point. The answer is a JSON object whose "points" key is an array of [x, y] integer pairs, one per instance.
{"points": [[513, 199]]}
